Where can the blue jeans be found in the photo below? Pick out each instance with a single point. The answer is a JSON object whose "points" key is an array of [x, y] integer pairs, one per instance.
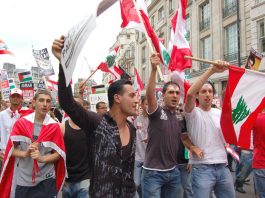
{"points": [[76, 189], [185, 178], [244, 168], [138, 169], [212, 177], [259, 182], [165, 184]]}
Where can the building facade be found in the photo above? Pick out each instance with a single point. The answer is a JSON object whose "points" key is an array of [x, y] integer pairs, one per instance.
{"points": [[216, 30]]}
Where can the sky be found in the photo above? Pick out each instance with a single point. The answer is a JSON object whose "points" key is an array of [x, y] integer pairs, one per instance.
{"points": [[37, 23]]}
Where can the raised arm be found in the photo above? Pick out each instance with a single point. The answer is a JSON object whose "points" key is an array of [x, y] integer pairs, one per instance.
{"points": [[87, 120], [150, 90], [197, 85]]}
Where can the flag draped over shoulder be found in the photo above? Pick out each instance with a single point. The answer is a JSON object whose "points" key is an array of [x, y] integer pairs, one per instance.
{"points": [[4, 48], [244, 99], [178, 45], [110, 64], [50, 136], [131, 19]]}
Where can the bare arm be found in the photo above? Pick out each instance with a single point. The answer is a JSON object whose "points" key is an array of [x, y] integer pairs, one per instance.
{"points": [[44, 158], [190, 146], [195, 88], [150, 90]]}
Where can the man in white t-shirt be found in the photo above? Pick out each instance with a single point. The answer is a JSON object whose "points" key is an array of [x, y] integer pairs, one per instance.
{"points": [[209, 167]]}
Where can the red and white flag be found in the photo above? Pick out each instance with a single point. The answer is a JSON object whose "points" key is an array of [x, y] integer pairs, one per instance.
{"points": [[244, 99], [178, 45], [53, 85], [138, 84], [131, 19], [110, 64], [50, 136], [4, 48]]}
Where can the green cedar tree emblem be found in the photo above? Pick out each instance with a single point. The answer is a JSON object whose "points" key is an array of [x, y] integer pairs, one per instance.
{"points": [[241, 111], [110, 60], [166, 56]]}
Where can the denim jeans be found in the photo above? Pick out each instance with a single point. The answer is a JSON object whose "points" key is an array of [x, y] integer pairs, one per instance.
{"points": [[259, 182], [244, 168], [76, 189], [138, 169], [185, 178], [206, 178], [164, 184]]}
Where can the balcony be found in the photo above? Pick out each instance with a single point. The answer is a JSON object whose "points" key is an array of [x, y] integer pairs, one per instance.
{"points": [[230, 9], [205, 24], [229, 57]]}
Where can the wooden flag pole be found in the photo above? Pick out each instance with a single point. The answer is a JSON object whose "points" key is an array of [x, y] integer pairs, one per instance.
{"points": [[200, 60], [148, 39], [88, 77]]}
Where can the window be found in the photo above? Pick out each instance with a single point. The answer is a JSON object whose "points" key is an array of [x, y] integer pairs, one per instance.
{"points": [[231, 45], [143, 74], [160, 13], [259, 1], [206, 51], [170, 6], [188, 27], [153, 20], [143, 55], [261, 35], [205, 16], [230, 7]]}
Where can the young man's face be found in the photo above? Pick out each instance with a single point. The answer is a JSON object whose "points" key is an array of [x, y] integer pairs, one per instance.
{"points": [[171, 96], [128, 101], [42, 104], [205, 96], [16, 100]]}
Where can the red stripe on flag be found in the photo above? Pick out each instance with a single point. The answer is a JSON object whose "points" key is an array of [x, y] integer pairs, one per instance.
{"points": [[235, 74]]}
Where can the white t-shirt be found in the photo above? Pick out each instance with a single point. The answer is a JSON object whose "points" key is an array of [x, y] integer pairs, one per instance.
{"points": [[205, 132]]}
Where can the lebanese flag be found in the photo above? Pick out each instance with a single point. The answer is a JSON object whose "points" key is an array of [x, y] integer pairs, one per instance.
{"points": [[244, 99], [110, 66], [184, 85], [138, 84], [129, 16], [53, 85], [178, 45], [50, 136], [4, 48]]}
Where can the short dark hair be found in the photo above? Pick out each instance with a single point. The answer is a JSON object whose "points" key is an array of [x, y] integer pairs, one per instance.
{"points": [[99, 103], [143, 98], [167, 84], [210, 82], [42, 91], [116, 88]]}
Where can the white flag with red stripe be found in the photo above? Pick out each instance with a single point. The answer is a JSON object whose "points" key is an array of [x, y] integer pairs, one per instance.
{"points": [[138, 84], [244, 99], [178, 44], [131, 20]]}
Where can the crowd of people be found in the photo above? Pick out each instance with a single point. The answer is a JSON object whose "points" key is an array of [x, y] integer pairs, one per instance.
{"points": [[138, 148]]}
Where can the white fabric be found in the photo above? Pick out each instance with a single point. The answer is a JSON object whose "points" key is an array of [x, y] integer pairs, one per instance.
{"points": [[205, 132], [6, 125]]}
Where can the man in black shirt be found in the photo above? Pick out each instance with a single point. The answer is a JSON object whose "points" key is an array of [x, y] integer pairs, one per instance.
{"points": [[112, 137]]}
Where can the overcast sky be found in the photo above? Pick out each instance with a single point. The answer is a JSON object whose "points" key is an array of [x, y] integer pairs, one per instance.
{"points": [[33, 22]]}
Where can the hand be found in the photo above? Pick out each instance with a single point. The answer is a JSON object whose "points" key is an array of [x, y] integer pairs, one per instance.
{"points": [[197, 152], [57, 47], [155, 61], [37, 156], [189, 168], [81, 87], [220, 67], [2, 155]]}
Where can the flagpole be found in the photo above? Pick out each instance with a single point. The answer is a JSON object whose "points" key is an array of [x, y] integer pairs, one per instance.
{"points": [[148, 39], [88, 78], [201, 60]]}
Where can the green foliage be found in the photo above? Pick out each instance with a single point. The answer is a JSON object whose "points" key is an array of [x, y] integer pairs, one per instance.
{"points": [[241, 111]]}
